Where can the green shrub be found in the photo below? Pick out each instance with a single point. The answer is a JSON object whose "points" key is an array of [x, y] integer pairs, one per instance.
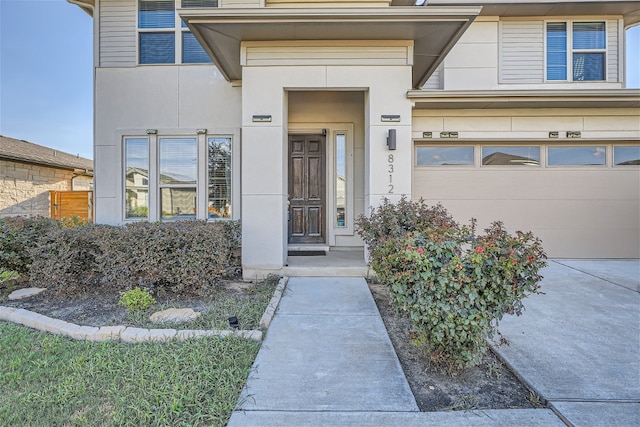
{"points": [[73, 221], [17, 236], [454, 285], [391, 220], [184, 256], [136, 299], [66, 259]]}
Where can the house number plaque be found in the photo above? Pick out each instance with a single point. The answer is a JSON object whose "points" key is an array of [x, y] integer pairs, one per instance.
{"points": [[391, 170]]}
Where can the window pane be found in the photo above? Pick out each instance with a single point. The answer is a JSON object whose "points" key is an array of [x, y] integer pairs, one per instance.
{"points": [[178, 161], [556, 51], [156, 14], [588, 66], [192, 51], [341, 180], [157, 48], [178, 203], [577, 156], [588, 35], [136, 178], [199, 3], [441, 156], [626, 156], [511, 156], [219, 162]]}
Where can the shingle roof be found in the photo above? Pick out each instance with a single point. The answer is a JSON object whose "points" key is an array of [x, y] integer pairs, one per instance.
{"points": [[23, 151]]}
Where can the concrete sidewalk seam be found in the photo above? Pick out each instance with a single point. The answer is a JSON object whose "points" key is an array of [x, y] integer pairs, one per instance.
{"points": [[594, 276]]}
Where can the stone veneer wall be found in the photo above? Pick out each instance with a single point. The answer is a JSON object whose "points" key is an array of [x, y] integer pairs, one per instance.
{"points": [[24, 188]]}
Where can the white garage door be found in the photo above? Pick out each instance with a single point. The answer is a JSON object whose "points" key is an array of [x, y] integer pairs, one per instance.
{"points": [[582, 200]]}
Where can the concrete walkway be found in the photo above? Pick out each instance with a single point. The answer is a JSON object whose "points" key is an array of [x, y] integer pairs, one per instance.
{"points": [[578, 346], [327, 361]]}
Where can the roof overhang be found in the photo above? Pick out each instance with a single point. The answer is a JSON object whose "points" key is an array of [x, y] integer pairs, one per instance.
{"points": [[433, 30], [87, 5], [630, 10], [588, 98]]}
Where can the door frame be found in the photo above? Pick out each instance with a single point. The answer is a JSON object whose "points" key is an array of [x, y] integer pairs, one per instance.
{"points": [[332, 129]]}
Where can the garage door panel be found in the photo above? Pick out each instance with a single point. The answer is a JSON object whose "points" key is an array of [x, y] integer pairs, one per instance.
{"points": [[537, 185], [576, 213]]}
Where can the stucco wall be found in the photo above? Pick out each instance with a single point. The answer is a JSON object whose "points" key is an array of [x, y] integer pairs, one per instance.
{"points": [[24, 188], [174, 100]]}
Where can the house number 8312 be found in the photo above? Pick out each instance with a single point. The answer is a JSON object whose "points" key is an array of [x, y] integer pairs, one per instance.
{"points": [[391, 170]]}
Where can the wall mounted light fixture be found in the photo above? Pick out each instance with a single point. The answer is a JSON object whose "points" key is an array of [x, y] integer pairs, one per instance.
{"points": [[574, 134], [201, 131], [391, 139], [427, 134], [553, 134], [390, 118], [152, 131], [261, 118]]}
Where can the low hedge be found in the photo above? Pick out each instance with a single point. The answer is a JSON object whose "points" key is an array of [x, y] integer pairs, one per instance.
{"points": [[17, 236], [183, 256]]}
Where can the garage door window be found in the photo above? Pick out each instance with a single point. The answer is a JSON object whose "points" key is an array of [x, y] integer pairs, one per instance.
{"points": [[626, 156], [444, 156], [510, 156], [577, 156]]}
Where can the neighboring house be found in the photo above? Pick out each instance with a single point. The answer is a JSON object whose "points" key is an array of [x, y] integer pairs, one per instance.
{"points": [[29, 172], [295, 116]]}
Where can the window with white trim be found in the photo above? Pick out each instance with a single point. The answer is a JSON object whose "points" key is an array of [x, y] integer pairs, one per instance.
{"points": [[219, 177], [177, 177], [161, 33], [136, 178], [576, 51], [178, 165]]}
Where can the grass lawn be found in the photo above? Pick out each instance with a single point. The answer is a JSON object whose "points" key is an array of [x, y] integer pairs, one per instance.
{"points": [[49, 380]]}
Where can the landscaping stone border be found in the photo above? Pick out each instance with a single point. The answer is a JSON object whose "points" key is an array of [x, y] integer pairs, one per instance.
{"points": [[127, 334]]}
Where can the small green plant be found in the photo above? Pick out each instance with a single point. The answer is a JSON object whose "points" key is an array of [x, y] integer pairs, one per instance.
{"points": [[136, 299], [465, 402], [536, 400], [8, 275]]}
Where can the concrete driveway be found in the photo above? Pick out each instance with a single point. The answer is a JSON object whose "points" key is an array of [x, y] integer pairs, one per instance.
{"points": [[578, 346]]}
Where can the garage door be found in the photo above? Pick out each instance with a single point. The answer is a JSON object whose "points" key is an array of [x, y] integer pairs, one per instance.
{"points": [[582, 200]]}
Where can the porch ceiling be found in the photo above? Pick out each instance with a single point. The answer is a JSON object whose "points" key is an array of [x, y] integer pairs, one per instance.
{"points": [[433, 30]]}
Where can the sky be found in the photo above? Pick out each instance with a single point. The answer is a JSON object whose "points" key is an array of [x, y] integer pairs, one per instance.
{"points": [[46, 73]]}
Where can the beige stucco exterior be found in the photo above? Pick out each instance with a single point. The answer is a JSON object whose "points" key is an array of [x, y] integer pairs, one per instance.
{"points": [[358, 69]]}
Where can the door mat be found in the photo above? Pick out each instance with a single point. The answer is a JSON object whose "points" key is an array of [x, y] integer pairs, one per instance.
{"points": [[306, 253]]}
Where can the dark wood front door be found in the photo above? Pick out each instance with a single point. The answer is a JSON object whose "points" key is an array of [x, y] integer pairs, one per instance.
{"points": [[306, 188]]}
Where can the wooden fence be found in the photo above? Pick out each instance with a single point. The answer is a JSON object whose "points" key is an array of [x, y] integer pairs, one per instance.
{"points": [[66, 204]]}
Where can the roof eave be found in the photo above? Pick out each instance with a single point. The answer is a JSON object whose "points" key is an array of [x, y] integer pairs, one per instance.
{"points": [[221, 31], [87, 5]]}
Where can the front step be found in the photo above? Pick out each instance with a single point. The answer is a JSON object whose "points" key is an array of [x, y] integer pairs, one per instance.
{"points": [[307, 250]]}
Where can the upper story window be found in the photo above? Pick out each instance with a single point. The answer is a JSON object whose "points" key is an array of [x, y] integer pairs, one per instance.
{"points": [[163, 38], [576, 51]]}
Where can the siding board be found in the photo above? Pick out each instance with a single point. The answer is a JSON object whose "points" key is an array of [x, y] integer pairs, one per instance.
{"points": [[117, 41], [435, 81], [612, 50], [522, 52]]}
